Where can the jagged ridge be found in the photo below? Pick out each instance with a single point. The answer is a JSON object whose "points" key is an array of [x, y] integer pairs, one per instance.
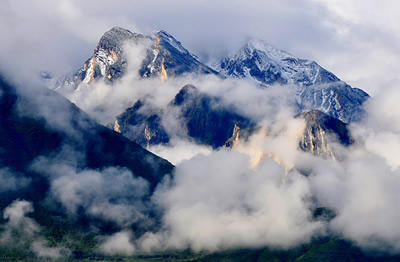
{"points": [[202, 121], [321, 131], [164, 56], [318, 89]]}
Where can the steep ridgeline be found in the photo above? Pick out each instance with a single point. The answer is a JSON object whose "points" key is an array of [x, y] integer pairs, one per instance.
{"points": [[207, 122], [142, 126], [24, 138], [201, 117], [321, 131], [76, 144], [164, 56], [161, 55], [319, 89]]}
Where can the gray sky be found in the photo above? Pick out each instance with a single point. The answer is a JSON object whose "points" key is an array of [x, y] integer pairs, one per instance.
{"points": [[358, 40]]}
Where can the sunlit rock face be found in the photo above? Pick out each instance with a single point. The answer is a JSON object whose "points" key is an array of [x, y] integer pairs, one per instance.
{"points": [[167, 57], [143, 127], [198, 117], [201, 121], [234, 140], [108, 60], [321, 132], [163, 56]]}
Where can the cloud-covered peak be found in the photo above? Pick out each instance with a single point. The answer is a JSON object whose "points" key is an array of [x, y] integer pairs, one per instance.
{"points": [[169, 39], [115, 37], [272, 52]]}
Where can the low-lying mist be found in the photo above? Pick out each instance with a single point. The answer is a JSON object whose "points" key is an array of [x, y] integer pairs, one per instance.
{"points": [[262, 192]]}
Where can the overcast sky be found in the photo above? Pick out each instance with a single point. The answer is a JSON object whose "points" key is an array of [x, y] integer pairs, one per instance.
{"points": [[358, 40]]}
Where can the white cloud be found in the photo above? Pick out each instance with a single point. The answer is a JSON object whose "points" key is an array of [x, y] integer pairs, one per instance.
{"points": [[354, 39], [120, 202], [11, 181], [218, 201], [233, 198], [118, 244], [178, 150], [21, 231]]}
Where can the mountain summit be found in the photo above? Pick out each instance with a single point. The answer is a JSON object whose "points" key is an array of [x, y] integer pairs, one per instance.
{"points": [[267, 65], [163, 56], [318, 89], [108, 60]]}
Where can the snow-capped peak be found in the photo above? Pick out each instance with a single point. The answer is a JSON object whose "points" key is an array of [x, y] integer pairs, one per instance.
{"points": [[265, 64], [164, 56], [114, 38], [261, 46], [171, 41]]}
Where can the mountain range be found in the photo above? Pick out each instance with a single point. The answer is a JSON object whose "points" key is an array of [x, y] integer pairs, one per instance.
{"points": [[36, 152], [58, 143], [257, 62]]}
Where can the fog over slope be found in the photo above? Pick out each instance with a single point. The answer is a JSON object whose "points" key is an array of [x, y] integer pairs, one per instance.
{"points": [[253, 195], [262, 192], [269, 201]]}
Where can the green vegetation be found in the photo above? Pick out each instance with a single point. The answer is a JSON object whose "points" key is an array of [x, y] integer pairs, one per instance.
{"points": [[319, 250]]}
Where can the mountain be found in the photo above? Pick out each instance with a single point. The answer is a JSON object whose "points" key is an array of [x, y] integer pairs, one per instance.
{"points": [[50, 145], [164, 56], [269, 65], [77, 179], [318, 89], [322, 130], [198, 115], [25, 138], [145, 128], [218, 126]]}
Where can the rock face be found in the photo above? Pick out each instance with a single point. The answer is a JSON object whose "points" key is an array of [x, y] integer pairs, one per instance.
{"points": [[338, 100], [169, 58], [318, 89], [321, 131], [206, 122], [200, 116], [268, 65], [164, 57], [108, 60], [143, 127]]}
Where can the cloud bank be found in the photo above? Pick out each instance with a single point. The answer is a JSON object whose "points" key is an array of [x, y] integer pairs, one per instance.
{"points": [[252, 196], [261, 193], [21, 231]]}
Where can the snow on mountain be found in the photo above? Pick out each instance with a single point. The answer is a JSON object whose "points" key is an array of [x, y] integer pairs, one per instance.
{"points": [[109, 60], [267, 65], [171, 41], [319, 89], [164, 56], [257, 61]]}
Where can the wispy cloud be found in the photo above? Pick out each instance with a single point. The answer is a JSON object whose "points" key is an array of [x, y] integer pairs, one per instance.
{"points": [[351, 38]]}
